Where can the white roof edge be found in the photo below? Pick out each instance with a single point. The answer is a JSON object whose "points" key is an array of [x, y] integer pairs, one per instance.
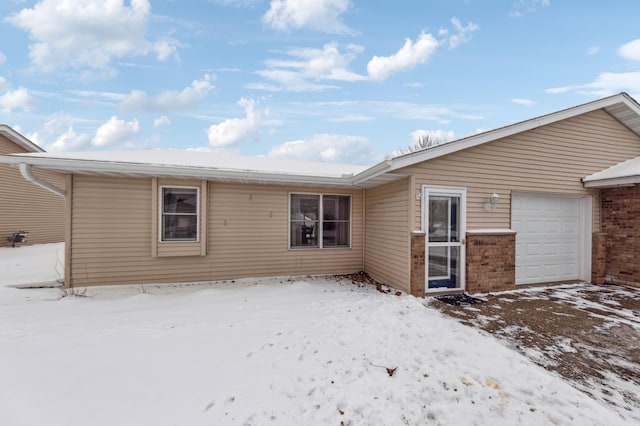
{"points": [[609, 183], [19, 139], [512, 129], [373, 171], [169, 170]]}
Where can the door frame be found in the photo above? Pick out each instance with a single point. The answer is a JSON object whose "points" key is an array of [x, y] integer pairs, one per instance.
{"points": [[454, 191]]}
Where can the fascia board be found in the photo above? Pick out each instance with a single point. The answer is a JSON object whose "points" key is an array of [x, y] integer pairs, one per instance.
{"points": [[607, 183], [19, 139], [372, 172], [93, 166]]}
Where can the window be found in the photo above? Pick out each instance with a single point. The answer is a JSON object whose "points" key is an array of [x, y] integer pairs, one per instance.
{"points": [[320, 221], [179, 214]]}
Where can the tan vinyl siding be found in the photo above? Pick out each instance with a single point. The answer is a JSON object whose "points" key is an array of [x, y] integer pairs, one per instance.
{"points": [[387, 236], [247, 235], [549, 159], [27, 207]]}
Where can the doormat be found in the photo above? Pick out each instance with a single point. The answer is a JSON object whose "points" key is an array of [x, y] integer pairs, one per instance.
{"points": [[459, 299]]}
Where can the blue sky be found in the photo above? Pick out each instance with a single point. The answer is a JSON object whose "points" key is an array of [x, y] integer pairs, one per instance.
{"points": [[329, 80]]}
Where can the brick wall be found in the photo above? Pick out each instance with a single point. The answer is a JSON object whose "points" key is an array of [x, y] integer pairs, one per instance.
{"points": [[598, 257], [491, 262], [621, 222], [417, 263]]}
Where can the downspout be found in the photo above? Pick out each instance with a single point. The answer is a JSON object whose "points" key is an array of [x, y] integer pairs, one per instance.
{"points": [[27, 173], [364, 228]]}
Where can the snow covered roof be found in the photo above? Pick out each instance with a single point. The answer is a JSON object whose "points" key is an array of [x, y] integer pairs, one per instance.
{"points": [[625, 173], [233, 168], [19, 139], [193, 164]]}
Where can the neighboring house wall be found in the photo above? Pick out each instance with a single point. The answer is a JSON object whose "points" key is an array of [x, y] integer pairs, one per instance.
{"points": [[387, 233], [550, 159], [621, 229], [27, 207], [247, 235]]}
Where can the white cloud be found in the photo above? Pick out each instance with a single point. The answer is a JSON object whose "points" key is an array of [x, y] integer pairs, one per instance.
{"points": [[561, 89], [59, 129], [606, 84], [288, 80], [236, 3], [463, 34], [233, 130], [441, 114], [609, 83], [115, 132], [630, 50], [70, 140], [327, 63], [328, 148], [319, 15], [16, 99], [410, 55], [3, 83], [522, 7], [306, 66], [350, 118], [437, 135], [523, 102], [87, 33], [168, 100], [163, 120], [593, 50]]}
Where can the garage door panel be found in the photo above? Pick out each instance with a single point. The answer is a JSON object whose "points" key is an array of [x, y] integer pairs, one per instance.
{"points": [[570, 249], [547, 239]]}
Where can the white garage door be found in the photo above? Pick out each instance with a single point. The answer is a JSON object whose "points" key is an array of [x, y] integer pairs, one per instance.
{"points": [[547, 239]]}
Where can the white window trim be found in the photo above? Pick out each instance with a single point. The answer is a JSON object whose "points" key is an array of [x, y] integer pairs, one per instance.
{"points": [[320, 245], [161, 213]]}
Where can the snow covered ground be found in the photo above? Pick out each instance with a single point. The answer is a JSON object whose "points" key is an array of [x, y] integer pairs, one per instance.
{"points": [[281, 351]]}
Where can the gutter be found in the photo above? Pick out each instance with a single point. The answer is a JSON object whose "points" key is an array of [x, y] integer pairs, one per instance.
{"points": [[137, 169], [27, 173], [372, 172], [612, 182]]}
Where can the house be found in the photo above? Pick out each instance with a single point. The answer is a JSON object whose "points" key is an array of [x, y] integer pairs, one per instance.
{"points": [[553, 198], [23, 206]]}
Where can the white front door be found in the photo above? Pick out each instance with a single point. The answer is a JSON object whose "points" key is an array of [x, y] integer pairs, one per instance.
{"points": [[444, 226], [550, 239]]}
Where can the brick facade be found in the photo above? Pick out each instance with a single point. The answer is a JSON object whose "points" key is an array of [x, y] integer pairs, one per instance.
{"points": [[621, 222], [417, 263], [598, 257], [491, 262]]}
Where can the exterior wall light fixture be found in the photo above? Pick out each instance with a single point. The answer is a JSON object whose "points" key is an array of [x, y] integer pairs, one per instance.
{"points": [[494, 199]]}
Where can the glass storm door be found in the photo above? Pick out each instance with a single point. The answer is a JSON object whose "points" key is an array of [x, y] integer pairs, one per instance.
{"points": [[444, 238]]}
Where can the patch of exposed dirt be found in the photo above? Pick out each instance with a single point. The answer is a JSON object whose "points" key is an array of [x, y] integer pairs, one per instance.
{"points": [[588, 334]]}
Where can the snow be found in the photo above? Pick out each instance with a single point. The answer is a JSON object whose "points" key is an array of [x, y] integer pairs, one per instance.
{"points": [[209, 160], [305, 350], [42, 263]]}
